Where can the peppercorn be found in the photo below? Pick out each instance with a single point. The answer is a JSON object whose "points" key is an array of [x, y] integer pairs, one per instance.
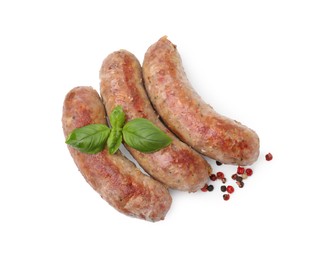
{"points": [[239, 178], [269, 157], [240, 170], [249, 172], [230, 189], [234, 176], [240, 184], [223, 188], [210, 187], [226, 196], [213, 177], [220, 175], [244, 176], [204, 189], [218, 163]]}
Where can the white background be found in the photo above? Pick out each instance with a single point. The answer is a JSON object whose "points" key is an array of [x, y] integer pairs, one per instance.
{"points": [[254, 61]]}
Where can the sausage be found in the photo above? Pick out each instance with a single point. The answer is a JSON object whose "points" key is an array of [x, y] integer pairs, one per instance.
{"points": [[188, 116], [114, 177], [177, 165]]}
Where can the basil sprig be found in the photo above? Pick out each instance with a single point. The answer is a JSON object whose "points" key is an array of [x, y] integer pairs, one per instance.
{"points": [[138, 133]]}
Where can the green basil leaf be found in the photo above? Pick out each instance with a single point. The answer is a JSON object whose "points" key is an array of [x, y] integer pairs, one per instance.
{"points": [[117, 117], [114, 141], [89, 139], [144, 136]]}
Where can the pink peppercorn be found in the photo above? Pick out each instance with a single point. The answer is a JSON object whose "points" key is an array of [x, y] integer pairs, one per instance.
{"points": [[230, 189], [226, 196], [269, 157], [220, 175], [249, 172], [234, 176], [240, 170], [204, 189], [213, 177]]}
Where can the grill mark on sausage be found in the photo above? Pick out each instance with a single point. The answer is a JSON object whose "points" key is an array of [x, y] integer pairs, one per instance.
{"points": [[137, 102]]}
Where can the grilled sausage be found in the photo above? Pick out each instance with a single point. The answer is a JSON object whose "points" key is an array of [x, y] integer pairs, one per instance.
{"points": [[114, 177], [188, 116], [177, 165]]}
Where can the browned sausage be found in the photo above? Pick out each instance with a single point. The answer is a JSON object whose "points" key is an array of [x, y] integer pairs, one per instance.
{"points": [[114, 177], [178, 166], [188, 116]]}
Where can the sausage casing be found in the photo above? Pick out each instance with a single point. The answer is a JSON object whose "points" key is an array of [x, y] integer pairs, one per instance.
{"points": [[188, 116]]}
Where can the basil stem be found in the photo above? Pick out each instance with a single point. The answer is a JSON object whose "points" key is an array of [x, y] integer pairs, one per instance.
{"points": [[114, 141]]}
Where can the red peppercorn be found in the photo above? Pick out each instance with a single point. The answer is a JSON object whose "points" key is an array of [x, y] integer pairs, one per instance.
{"points": [[234, 176], [220, 175], [204, 189], [230, 189], [226, 196], [213, 177], [269, 157], [240, 170], [249, 172]]}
